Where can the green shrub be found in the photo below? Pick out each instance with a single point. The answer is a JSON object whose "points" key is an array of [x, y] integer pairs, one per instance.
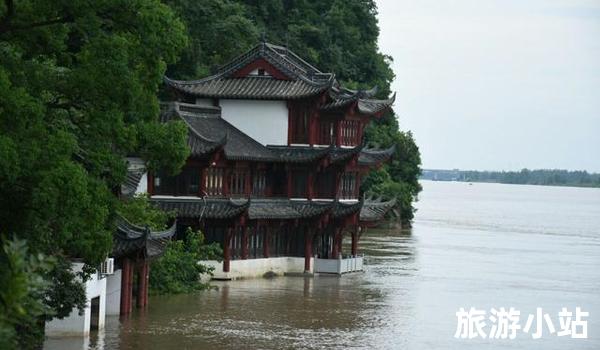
{"points": [[178, 270]]}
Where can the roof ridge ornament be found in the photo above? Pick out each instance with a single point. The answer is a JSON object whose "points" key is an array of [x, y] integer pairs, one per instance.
{"points": [[263, 41]]}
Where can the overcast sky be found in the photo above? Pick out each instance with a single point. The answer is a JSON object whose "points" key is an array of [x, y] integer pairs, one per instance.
{"points": [[497, 84]]}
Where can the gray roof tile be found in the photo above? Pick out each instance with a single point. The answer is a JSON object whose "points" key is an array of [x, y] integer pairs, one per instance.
{"points": [[305, 80], [130, 239]]}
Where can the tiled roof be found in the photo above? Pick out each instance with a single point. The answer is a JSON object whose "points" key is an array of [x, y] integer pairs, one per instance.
{"points": [[307, 154], [199, 143], [341, 98], [342, 209], [375, 210], [210, 208], [369, 106], [265, 88], [132, 181], [203, 121], [372, 156], [286, 208], [299, 154], [135, 171], [364, 105], [305, 80], [339, 154], [130, 239], [262, 208]]}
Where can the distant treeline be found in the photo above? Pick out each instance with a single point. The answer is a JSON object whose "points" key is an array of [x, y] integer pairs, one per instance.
{"points": [[548, 177]]}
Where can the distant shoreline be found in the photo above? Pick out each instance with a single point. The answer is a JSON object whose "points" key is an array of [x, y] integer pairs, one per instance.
{"points": [[542, 177]]}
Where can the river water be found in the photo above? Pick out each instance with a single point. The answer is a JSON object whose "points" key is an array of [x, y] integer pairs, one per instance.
{"points": [[479, 245]]}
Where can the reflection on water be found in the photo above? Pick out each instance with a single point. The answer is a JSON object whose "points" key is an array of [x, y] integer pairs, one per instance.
{"points": [[483, 245]]}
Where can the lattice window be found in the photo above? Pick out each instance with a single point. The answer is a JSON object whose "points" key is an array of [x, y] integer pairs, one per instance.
{"points": [[237, 182], [235, 244], [300, 126], [214, 181], [259, 183], [326, 132], [256, 241], [350, 132], [299, 183], [325, 184], [348, 186], [187, 183], [274, 242]]}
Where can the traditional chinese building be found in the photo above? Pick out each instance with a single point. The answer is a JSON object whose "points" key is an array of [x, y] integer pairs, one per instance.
{"points": [[277, 158]]}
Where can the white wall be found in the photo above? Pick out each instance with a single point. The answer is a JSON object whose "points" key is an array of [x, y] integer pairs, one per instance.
{"points": [[264, 121], [113, 293], [251, 268], [142, 185], [79, 325]]}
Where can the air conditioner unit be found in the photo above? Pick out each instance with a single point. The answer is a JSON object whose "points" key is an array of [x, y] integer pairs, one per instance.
{"points": [[107, 267]]}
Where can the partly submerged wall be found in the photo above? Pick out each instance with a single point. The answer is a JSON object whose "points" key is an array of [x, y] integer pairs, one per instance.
{"points": [[252, 268], [79, 325]]}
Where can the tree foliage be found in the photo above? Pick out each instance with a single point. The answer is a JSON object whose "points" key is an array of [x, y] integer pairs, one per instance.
{"points": [[78, 84], [138, 210], [22, 294], [178, 270], [547, 177]]}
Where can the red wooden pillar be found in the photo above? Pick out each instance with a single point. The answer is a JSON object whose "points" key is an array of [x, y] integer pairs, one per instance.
{"points": [[247, 182], [226, 177], [289, 182], [335, 252], [307, 249], [202, 187], [245, 242], [338, 133], [227, 251], [142, 284], [339, 242], [138, 270], [125, 287], [338, 177], [312, 138], [355, 241], [267, 242], [150, 189]]}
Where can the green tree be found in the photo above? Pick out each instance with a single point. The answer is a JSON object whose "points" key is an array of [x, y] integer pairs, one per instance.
{"points": [[178, 270], [22, 295], [78, 83], [218, 30]]}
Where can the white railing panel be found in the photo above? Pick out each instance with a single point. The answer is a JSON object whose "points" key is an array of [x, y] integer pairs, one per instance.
{"points": [[339, 266]]}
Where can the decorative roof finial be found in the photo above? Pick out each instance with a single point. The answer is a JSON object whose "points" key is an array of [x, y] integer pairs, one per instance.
{"points": [[263, 37]]}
